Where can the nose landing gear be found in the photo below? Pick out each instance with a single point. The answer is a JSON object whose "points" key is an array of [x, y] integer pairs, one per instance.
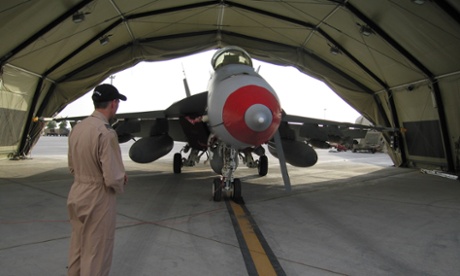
{"points": [[221, 187]]}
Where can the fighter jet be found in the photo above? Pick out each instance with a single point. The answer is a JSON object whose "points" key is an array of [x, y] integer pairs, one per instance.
{"points": [[230, 122]]}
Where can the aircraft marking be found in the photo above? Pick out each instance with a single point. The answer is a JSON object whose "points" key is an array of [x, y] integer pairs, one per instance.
{"points": [[257, 254]]}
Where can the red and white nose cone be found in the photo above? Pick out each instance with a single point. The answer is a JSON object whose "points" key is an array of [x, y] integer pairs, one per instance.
{"points": [[251, 114]]}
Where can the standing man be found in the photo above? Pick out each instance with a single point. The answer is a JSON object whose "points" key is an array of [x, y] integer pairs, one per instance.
{"points": [[99, 175]]}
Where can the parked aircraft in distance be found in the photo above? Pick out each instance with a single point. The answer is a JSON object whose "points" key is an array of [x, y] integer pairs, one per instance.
{"points": [[372, 142]]}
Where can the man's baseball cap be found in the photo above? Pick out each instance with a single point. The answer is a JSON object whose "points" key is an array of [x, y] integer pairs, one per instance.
{"points": [[105, 93]]}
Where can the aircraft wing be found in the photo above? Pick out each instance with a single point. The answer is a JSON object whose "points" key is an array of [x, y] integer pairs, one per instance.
{"points": [[194, 105], [157, 130], [297, 137], [343, 125], [319, 133], [171, 121], [141, 115]]}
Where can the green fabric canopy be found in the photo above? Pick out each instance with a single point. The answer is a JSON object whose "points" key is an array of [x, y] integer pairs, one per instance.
{"points": [[396, 62]]}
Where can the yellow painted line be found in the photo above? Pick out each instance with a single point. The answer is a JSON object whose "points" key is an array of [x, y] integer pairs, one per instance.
{"points": [[258, 254]]}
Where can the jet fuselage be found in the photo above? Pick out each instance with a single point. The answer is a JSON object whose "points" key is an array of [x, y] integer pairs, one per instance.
{"points": [[243, 109]]}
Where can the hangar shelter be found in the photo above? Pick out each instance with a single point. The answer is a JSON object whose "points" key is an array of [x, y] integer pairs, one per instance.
{"points": [[396, 62]]}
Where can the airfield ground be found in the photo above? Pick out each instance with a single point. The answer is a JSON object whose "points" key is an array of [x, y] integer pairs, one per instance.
{"points": [[351, 214]]}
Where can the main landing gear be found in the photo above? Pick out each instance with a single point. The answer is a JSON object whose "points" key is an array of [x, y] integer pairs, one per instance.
{"points": [[262, 166], [177, 163], [192, 159]]}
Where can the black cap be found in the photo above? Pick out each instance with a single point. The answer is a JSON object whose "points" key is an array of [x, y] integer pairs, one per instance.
{"points": [[105, 93]]}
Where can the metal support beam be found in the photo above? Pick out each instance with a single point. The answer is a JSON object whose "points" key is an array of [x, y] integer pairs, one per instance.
{"points": [[423, 69], [282, 160], [43, 31]]}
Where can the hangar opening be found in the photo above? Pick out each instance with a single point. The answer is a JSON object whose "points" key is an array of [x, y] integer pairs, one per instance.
{"points": [[393, 61]]}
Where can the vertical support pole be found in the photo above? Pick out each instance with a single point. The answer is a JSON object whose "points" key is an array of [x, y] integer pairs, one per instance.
{"points": [[282, 160]]}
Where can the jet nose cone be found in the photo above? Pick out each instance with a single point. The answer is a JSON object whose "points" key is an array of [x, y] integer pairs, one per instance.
{"points": [[250, 116], [258, 117]]}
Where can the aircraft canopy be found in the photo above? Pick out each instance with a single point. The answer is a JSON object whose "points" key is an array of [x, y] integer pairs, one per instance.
{"points": [[230, 55]]}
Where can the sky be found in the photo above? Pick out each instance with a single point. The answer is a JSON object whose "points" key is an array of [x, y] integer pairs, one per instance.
{"points": [[156, 85]]}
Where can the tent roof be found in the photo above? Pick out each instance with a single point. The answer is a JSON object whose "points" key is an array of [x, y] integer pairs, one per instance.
{"points": [[369, 52]]}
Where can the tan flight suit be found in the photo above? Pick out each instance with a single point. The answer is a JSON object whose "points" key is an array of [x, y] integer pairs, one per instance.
{"points": [[95, 161]]}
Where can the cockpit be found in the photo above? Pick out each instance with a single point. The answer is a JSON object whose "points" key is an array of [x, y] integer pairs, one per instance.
{"points": [[230, 55]]}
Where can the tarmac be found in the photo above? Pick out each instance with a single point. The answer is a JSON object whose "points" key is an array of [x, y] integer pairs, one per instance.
{"points": [[351, 214]]}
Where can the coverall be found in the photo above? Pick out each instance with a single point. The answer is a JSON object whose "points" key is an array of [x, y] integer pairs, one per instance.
{"points": [[95, 161]]}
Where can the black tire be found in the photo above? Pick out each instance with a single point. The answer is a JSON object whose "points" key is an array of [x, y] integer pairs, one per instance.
{"points": [[236, 189], [263, 165], [177, 165], [217, 189]]}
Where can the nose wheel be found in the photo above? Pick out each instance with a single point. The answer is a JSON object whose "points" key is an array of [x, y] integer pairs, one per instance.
{"points": [[233, 190], [237, 191], [217, 189]]}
